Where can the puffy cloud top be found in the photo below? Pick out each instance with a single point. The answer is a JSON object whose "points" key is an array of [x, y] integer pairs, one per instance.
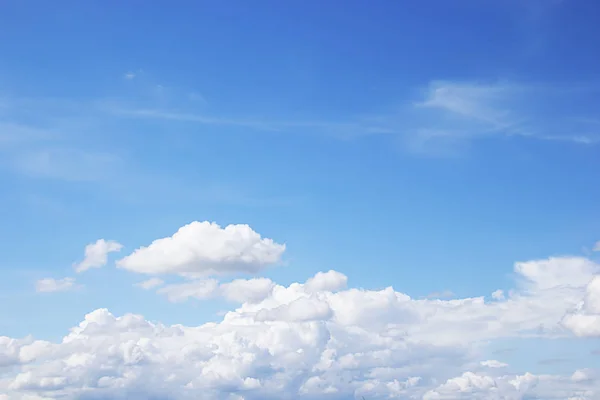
{"points": [[204, 248], [312, 341]]}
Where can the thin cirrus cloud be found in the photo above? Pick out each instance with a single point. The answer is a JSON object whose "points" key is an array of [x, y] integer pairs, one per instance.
{"points": [[463, 111], [444, 115], [320, 340], [49, 285], [205, 248], [96, 254], [150, 283], [446, 111]]}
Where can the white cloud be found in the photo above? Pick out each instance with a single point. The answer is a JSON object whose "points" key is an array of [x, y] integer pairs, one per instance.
{"points": [[584, 319], [493, 364], [204, 248], [314, 340], [238, 290], [198, 289], [129, 75], [596, 246], [452, 113], [557, 272], [247, 290], [482, 103], [327, 281], [96, 254], [54, 285], [150, 283]]}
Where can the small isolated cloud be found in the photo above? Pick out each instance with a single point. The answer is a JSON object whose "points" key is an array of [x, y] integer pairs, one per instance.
{"points": [[150, 283], [96, 254], [48, 285], [493, 364], [596, 246], [204, 248], [129, 75]]}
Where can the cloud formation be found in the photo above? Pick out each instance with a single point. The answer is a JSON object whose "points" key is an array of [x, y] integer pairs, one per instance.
{"points": [[453, 113], [150, 283], [493, 364], [204, 248], [237, 291], [96, 254], [317, 340], [47, 285]]}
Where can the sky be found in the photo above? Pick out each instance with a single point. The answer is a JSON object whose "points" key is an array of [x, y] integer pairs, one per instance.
{"points": [[299, 200]]}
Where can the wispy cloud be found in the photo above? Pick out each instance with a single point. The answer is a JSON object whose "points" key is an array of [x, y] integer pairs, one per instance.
{"points": [[150, 283], [96, 254], [442, 119], [448, 115], [69, 164], [48, 285], [468, 111], [342, 130]]}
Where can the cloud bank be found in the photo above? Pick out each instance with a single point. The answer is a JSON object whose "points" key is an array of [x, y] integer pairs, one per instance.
{"points": [[319, 340]]}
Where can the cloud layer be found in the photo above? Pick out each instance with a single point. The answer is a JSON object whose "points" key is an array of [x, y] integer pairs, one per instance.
{"points": [[318, 340]]}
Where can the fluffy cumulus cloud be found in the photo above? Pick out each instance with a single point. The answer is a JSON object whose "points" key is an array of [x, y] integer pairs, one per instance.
{"points": [[205, 248], [96, 254], [585, 318], [47, 285], [317, 340]]}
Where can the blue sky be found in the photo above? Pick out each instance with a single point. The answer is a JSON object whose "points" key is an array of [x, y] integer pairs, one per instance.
{"points": [[423, 145]]}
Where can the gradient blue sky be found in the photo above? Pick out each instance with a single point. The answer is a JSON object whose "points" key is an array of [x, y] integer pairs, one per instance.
{"points": [[427, 145]]}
